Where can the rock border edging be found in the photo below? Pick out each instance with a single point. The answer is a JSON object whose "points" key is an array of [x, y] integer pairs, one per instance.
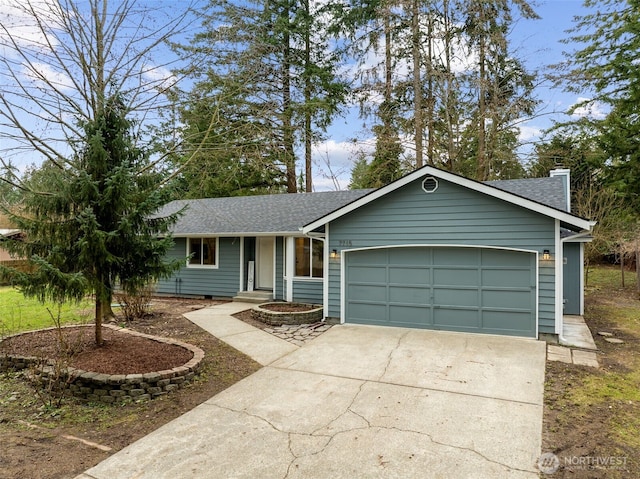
{"points": [[109, 388], [279, 318]]}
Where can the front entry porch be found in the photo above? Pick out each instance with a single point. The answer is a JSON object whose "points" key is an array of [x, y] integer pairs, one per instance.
{"points": [[256, 297], [258, 267]]}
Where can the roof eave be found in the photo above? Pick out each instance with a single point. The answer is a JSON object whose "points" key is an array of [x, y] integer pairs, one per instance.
{"points": [[236, 234]]}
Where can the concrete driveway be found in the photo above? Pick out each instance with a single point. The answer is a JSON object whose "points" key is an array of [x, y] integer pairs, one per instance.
{"points": [[362, 402]]}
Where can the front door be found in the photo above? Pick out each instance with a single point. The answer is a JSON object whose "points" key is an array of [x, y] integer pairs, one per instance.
{"points": [[264, 262]]}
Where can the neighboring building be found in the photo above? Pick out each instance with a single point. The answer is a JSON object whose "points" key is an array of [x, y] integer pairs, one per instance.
{"points": [[430, 250], [7, 231]]}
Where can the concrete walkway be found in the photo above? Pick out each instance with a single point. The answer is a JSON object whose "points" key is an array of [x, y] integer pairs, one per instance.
{"points": [[576, 333], [576, 344], [358, 401], [262, 347]]}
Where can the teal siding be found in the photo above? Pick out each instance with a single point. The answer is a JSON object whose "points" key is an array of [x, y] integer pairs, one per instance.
{"points": [[452, 215], [309, 291], [278, 287], [219, 283]]}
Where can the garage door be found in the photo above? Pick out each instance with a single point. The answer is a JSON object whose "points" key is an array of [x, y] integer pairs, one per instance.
{"points": [[458, 289]]}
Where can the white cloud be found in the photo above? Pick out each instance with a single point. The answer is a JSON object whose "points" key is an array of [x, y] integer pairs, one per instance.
{"points": [[44, 74], [333, 161], [587, 108], [160, 76], [529, 133], [19, 24]]}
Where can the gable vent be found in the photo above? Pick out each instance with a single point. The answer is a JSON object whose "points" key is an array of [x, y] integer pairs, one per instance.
{"points": [[430, 184]]}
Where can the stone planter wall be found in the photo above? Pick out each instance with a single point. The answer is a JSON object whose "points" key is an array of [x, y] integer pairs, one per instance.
{"points": [[278, 318], [109, 388]]}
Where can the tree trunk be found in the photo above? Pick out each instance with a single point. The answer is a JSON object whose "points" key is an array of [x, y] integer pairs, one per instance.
{"points": [[482, 169], [417, 81], [622, 266], [98, 321], [307, 101], [449, 92], [431, 98], [388, 65], [637, 269], [287, 114]]}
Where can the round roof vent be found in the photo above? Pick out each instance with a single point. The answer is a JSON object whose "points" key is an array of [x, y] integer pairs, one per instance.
{"points": [[430, 184]]}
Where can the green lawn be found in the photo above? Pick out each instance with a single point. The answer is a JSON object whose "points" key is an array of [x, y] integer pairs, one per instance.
{"points": [[18, 313]]}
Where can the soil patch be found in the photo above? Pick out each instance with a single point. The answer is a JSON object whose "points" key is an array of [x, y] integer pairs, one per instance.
{"points": [[121, 352], [45, 441], [591, 415]]}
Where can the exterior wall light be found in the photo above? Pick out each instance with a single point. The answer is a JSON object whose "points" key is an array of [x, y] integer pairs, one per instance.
{"points": [[546, 255], [334, 254]]}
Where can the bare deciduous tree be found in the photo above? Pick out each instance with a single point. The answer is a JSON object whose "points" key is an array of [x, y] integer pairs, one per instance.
{"points": [[81, 81]]}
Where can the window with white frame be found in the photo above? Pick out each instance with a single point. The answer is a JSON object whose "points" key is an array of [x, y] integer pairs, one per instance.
{"points": [[202, 252], [309, 257]]}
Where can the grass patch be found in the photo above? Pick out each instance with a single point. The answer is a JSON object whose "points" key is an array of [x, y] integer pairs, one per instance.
{"points": [[608, 278], [24, 314], [626, 427], [608, 387]]}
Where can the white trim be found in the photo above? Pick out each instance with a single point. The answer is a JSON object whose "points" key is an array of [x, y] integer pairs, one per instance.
{"points": [[559, 279], [241, 263], [441, 245], [537, 306], [240, 233], [343, 286], [290, 267], [583, 237], [204, 266], [343, 255], [563, 216], [581, 279], [325, 279], [430, 177]]}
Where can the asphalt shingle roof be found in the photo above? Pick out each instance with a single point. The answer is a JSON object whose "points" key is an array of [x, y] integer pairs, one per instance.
{"points": [[284, 213], [549, 191], [287, 213]]}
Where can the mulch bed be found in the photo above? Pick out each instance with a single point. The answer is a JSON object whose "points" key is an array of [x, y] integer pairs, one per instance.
{"points": [[121, 352]]}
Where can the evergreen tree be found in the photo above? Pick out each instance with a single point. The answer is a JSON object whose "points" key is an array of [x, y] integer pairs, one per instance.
{"points": [[606, 68], [503, 87], [90, 225], [452, 112], [266, 82]]}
